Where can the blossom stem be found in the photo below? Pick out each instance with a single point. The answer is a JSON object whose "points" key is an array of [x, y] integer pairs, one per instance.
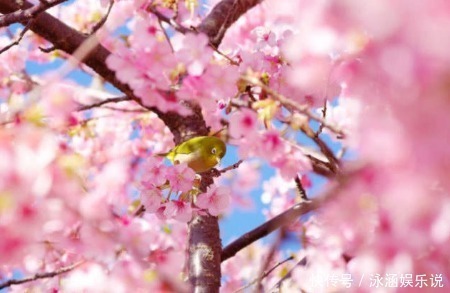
{"points": [[38, 276]]}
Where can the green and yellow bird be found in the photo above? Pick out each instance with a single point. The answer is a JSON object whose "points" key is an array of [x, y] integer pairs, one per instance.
{"points": [[201, 153]]}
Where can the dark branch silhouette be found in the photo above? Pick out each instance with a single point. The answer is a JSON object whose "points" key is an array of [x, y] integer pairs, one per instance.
{"points": [[38, 276], [16, 42], [301, 190], [19, 14], [266, 273], [103, 102], [268, 227], [102, 21], [222, 16], [301, 262]]}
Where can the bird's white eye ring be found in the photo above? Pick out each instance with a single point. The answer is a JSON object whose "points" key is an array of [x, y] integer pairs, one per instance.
{"points": [[213, 151]]}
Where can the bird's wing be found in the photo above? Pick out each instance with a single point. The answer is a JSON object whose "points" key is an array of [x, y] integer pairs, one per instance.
{"points": [[187, 147]]}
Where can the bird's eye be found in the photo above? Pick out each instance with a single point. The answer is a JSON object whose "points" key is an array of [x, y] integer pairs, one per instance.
{"points": [[213, 151]]}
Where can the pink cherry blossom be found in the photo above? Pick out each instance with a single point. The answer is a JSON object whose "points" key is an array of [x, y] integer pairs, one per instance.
{"points": [[178, 210], [195, 53], [154, 173], [89, 278], [151, 199], [243, 122], [216, 200], [276, 186], [181, 177]]}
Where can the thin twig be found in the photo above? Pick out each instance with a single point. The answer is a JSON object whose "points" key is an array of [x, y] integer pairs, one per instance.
{"points": [[103, 102], [331, 162], [139, 211], [165, 35], [27, 14], [207, 177], [300, 108], [232, 167], [21, 35], [47, 50], [324, 148], [266, 273], [178, 27], [140, 110], [232, 62], [320, 167], [40, 276], [300, 188], [268, 227], [104, 18], [273, 248], [301, 262], [324, 115]]}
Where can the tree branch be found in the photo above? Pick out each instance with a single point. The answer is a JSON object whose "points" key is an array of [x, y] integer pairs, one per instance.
{"points": [[103, 102], [288, 216], [301, 190], [333, 162], [38, 276], [102, 21], [231, 167], [321, 167], [273, 248], [268, 227], [266, 273], [301, 262], [324, 115], [31, 11], [16, 42], [204, 254], [178, 27], [222, 16]]}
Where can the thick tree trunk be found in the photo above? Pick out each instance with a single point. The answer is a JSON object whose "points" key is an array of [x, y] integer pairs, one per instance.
{"points": [[204, 254]]}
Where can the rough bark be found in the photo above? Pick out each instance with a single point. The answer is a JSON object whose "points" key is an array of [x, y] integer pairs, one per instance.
{"points": [[204, 254], [222, 16]]}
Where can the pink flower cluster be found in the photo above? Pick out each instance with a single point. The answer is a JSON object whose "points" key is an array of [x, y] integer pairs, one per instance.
{"points": [[267, 144], [153, 66], [158, 179]]}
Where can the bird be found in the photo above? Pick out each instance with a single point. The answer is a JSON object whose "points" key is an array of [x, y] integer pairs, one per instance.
{"points": [[201, 153]]}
